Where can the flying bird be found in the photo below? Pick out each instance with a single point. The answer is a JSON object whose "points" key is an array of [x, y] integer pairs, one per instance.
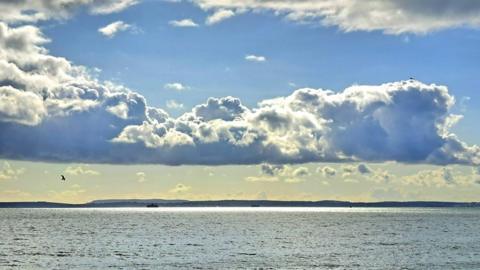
{"points": [[63, 177]]}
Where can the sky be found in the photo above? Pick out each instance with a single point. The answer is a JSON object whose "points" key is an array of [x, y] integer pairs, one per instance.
{"points": [[220, 99]]}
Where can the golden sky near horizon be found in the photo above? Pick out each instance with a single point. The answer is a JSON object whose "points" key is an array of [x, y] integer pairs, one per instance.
{"points": [[38, 181]]}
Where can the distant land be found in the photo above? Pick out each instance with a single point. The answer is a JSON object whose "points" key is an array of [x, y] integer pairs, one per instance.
{"points": [[233, 203]]}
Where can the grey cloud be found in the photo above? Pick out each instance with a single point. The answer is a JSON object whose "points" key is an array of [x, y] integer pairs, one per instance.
{"points": [[327, 171], [39, 10], [301, 172], [363, 168], [10, 173], [389, 16], [271, 169], [52, 110], [276, 172], [448, 176], [21, 107]]}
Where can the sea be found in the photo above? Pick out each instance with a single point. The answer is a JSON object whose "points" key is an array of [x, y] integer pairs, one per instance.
{"points": [[240, 238]]}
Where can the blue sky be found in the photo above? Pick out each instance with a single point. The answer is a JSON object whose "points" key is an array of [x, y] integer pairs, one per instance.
{"points": [[240, 99]]}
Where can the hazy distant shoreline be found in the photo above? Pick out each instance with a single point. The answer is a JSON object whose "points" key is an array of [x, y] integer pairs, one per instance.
{"points": [[234, 203]]}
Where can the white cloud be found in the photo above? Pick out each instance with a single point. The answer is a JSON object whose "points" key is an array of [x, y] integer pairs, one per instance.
{"points": [[112, 29], [218, 16], [353, 173], [40, 10], [8, 172], [442, 177], [389, 16], [262, 178], [111, 6], [176, 86], [180, 188], [64, 107], [120, 110], [294, 180], [255, 58], [22, 107], [174, 105], [183, 23], [80, 170], [141, 177], [301, 172]]}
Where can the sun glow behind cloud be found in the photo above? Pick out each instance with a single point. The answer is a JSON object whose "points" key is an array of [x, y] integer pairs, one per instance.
{"points": [[406, 121]]}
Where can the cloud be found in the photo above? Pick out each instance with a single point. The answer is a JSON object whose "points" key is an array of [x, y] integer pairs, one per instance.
{"points": [[301, 172], [67, 115], [363, 168], [262, 178], [141, 177], [271, 169], [226, 109], [294, 180], [180, 188], [176, 86], [380, 176], [428, 178], [447, 176], [120, 110], [277, 172], [363, 171], [174, 105], [111, 6], [41, 10], [348, 170], [80, 170], [8, 172], [112, 29], [22, 107], [183, 23], [389, 16], [218, 16], [255, 58], [327, 171]]}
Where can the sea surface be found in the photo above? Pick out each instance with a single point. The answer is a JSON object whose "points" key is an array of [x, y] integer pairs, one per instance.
{"points": [[240, 238]]}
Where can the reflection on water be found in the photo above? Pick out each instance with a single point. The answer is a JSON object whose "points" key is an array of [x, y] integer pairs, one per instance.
{"points": [[160, 238]]}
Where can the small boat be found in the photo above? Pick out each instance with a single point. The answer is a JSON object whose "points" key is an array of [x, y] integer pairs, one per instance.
{"points": [[152, 205]]}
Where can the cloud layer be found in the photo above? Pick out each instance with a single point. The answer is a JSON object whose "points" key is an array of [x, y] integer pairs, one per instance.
{"points": [[53, 110], [40, 10], [390, 16]]}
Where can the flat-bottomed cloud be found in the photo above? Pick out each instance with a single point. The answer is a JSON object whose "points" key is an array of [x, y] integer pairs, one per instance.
{"points": [[68, 115]]}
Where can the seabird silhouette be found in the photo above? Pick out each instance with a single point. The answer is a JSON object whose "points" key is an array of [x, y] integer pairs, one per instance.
{"points": [[63, 177]]}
